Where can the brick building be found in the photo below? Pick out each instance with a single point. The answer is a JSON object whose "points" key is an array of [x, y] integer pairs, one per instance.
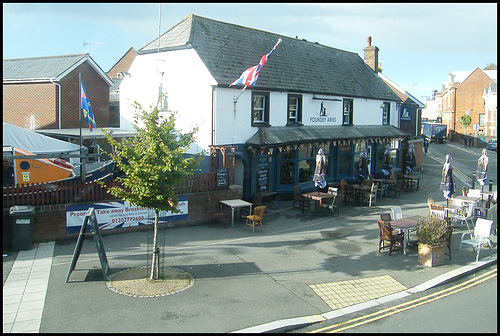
{"points": [[43, 92], [465, 95]]}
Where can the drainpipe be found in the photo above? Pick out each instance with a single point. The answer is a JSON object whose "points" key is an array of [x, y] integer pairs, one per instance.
{"points": [[58, 101]]}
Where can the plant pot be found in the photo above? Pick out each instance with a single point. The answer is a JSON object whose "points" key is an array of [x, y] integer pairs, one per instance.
{"points": [[431, 255]]}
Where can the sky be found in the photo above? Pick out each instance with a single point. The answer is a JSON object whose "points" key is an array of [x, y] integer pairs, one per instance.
{"points": [[420, 43]]}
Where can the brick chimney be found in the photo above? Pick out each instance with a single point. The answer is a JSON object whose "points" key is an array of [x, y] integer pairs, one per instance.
{"points": [[371, 55]]}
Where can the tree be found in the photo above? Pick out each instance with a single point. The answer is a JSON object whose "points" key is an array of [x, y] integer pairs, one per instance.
{"points": [[153, 164], [491, 66], [465, 120]]}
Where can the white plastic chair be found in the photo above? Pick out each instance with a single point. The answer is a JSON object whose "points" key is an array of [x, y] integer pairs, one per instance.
{"points": [[438, 213], [397, 213], [481, 236], [475, 193], [466, 215]]}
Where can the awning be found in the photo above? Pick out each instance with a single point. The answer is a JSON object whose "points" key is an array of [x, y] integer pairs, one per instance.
{"points": [[290, 135]]}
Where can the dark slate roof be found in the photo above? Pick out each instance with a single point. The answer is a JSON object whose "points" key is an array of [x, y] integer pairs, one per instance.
{"points": [[44, 68], [295, 66], [286, 135], [38, 67]]}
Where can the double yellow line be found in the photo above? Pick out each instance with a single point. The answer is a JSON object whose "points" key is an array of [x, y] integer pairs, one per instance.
{"points": [[407, 305]]}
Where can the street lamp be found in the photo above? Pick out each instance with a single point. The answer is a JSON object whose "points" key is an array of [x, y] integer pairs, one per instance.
{"points": [[454, 110]]}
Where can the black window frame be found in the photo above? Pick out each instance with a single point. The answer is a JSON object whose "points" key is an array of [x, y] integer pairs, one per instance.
{"points": [[386, 113], [266, 113], [347, 102], [298, 118]]}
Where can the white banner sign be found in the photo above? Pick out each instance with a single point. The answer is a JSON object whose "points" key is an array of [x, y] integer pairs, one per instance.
{"points": [[112, 215]]}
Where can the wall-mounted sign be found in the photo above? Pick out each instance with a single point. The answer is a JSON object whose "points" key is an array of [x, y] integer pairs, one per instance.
{"points": [[222, 177], [263, 179], [406, 116]]}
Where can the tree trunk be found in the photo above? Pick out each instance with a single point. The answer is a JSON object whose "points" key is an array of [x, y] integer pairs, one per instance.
{"points": [[156, 251]]}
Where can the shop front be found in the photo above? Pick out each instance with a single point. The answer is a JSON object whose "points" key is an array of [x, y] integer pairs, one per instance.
{"points": [[283, 157]]}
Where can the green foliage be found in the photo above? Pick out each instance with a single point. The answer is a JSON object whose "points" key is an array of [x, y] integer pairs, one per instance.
{"points": [[432, 231], [465, 120], [152, 161], [491, 66]]}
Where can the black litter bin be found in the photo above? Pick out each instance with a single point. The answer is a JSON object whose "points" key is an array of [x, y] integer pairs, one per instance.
{"points": [[22, 218]]}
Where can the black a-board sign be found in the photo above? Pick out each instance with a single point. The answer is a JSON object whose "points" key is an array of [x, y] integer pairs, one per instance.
{"points": [[98, 242]]}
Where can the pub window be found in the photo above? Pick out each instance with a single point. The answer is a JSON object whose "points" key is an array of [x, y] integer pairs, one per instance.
{"points": [[345, 161], [288, 159], [347, 113], [386, 113], [294, 109], [260, 108], [395, 154]]}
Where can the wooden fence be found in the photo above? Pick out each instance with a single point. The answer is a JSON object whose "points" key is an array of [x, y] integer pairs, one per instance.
{"points": [[76, 191]]}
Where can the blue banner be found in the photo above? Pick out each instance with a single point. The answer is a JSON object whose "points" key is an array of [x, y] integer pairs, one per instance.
{"points": [[111, 215]]}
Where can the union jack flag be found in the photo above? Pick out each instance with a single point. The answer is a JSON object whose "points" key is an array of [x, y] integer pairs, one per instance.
{"points": [[250, 75]]}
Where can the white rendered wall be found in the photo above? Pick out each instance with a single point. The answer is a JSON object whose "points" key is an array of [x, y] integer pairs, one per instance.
{"points": [[185, 80], [234, 126]]}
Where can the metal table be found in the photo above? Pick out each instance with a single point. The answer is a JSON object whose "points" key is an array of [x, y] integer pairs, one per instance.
{"points": [[406, 224], [236, 203]]}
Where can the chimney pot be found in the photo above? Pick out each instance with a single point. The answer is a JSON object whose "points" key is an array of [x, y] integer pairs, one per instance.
{"points": [[369, 41]]}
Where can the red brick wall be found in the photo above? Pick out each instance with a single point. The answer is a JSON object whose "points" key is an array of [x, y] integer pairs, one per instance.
{"points": [[21, 101], [123, 64], [97, 91], [470, 97], [50, 221]]}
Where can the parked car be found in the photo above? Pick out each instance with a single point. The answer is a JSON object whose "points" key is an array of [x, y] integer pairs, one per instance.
{"points": [[492, 145]]}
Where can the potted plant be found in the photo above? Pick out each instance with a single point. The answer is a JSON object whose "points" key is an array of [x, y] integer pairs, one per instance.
{"points": [[431, 234]]}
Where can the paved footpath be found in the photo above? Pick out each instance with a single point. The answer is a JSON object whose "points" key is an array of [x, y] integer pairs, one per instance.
{"points": [[25, 289]]}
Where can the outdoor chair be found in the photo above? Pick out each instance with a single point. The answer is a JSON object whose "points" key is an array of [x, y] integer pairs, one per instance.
{"points": [[301, 200], [480, 236], [329, 204], [387, 235], [448, 235], [348, 192], [256, 201], [395, 188], [256, 218], [466, 214], [430, 202], [482, 211], [371, 197], [382, 188], [397, 213], [386, 217], [215, 213], [474, 193], [438, 211]]}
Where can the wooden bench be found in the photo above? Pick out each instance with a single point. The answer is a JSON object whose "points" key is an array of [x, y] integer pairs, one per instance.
{"points": [[266, 195]]}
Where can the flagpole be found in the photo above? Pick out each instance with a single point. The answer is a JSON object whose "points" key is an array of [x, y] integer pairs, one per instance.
{"points": [[82, 161]]}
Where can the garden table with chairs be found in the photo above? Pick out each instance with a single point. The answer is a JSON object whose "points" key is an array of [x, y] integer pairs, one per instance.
{"points": [[360, 190], [406, 224], [318, 197]]}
